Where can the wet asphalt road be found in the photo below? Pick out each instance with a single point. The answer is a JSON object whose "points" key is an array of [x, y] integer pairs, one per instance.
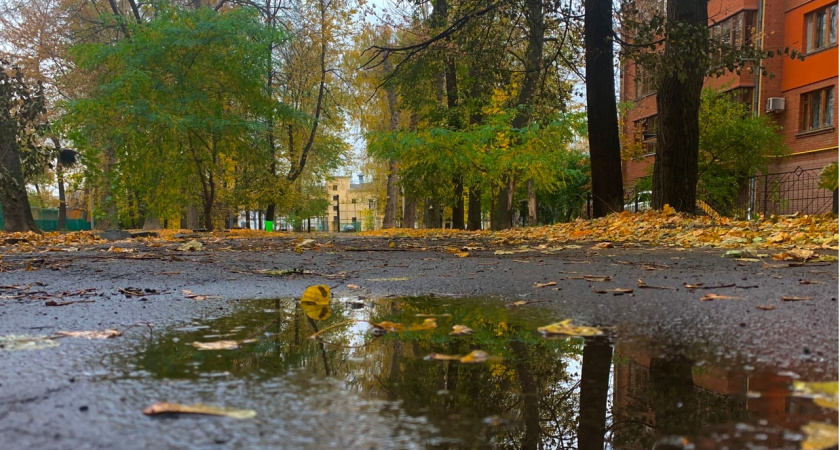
{"points": [[69, 397]]}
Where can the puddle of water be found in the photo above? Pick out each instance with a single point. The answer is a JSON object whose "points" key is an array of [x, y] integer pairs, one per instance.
{"points": [[540, 393]]}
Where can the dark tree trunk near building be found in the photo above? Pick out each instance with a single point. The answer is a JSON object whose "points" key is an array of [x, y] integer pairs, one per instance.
{"points": [[535, 17], [684, 66], [601, 112], [594, 385]]}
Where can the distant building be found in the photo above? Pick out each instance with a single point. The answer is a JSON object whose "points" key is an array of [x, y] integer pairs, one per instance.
{"points": [[352, 204], [801, 97]]}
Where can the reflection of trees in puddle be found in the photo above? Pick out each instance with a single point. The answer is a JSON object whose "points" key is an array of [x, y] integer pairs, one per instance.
{"points": [[542, 393], [659, 395]]}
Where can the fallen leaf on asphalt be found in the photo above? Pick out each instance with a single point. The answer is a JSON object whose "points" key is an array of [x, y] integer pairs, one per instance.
{"points": [[460, 330], [709, 297], [550, 283], [462, 254], [592, 278], [104, 334], [766, 307], [565, 327], [120, 249], [352, 286], [175, 408], [809, 282], [819, 436], [616, 291], [795, 299], [795, 255], [390, 279], [191, 246], [16, 342], [602, 245], [692, 287], [824, 393], [197, 297], [641, 284], [510, 252]]}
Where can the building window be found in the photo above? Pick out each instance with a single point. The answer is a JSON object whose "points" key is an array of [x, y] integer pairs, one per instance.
{"points": [[645, 82], [817, 109], [353, 220], [335, 207], [353, 201], [335, 198], [742, 95], [335, 218], [821, 28], [736, 31], [646, 133], [335, 187]]}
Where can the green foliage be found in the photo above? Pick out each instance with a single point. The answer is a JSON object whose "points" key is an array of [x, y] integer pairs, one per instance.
{"points": [[828, 177], [734, 145], [177, 108], [565, 201]]}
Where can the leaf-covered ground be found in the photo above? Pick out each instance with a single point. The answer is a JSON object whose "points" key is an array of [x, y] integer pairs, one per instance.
{"points": [[650, 228]]}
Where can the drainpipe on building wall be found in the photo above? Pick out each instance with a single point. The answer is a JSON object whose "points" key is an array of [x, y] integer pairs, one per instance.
{"points": [[757, 97]]}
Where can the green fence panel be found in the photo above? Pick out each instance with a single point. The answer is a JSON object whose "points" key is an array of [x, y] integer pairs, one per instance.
{"points": [[47, 219]]}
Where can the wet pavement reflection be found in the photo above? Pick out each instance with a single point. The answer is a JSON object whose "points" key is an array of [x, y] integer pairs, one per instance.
{"points": [[532, 392]]}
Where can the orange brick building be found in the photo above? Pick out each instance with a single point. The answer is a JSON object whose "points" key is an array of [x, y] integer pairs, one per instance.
{"points": [[801, 96]]}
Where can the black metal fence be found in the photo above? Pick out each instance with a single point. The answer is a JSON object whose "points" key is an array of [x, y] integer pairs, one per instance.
{"points": [[785, 193], [797, 191]]}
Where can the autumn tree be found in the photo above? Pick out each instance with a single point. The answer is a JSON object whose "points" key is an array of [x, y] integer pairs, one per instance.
{"points": [[177, 105], [21, 128]]}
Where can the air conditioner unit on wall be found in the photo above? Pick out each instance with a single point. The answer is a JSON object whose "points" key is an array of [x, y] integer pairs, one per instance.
{"points": [[775, 104]]}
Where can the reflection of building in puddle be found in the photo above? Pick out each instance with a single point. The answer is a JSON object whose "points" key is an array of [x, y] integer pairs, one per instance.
{"points": [[658, 395]]}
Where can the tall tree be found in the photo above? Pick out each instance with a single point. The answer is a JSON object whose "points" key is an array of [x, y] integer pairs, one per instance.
{"points": [[21, 122], [602, 115], [685, 63], [392, 188]]}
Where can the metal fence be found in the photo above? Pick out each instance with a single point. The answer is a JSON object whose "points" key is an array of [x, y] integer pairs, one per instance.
{"points": [[782, 193]]}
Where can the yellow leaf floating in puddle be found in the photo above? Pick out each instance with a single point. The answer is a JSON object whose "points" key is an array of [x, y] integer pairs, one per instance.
{"points": [[476, 356], [566, 328], [395, 327], [460, 330], [824, 393], [318, 295], [221, 345], [200, 408], [819, 436]]}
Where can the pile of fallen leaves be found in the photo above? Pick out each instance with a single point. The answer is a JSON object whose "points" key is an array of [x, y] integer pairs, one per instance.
{"points": [[652, 227], [665, 228]]}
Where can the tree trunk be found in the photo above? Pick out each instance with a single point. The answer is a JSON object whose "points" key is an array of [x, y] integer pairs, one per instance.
{"points": [[391, 190], [458, 207], [594, 385], [503, 217], [675, 169], [13, 198], [532, 204], [530, 396], [110, 217], [62, 198], [151, 221], [191, 221], [431, 214], [601, 112], [410, 212], [474, 209]]}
